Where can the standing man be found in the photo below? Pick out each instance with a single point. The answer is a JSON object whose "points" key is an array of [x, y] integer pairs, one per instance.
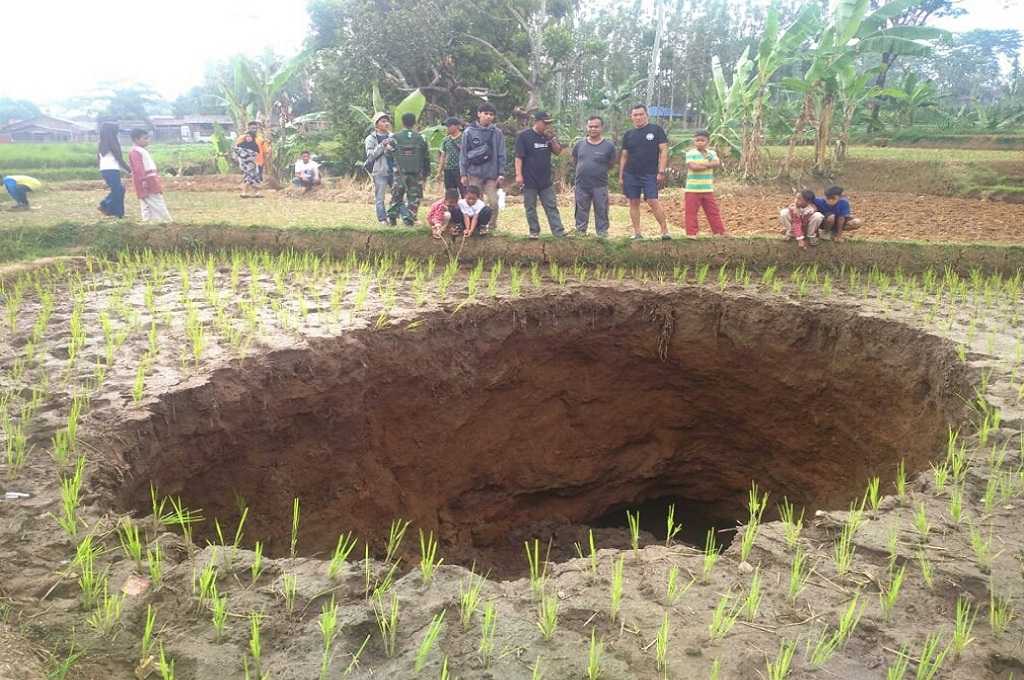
{"points": [[534, 147], [594, 157], [412, 160], [379, 145], [642, 168], [448, 159], [255, 130], [482, 157]]}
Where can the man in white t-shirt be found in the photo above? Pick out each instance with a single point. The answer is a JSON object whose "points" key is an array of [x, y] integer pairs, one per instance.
{"points": [[307, 172]]}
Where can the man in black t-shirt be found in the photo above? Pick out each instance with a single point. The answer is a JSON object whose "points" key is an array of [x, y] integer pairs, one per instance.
{"points": [[642, 168], [534, 147]]}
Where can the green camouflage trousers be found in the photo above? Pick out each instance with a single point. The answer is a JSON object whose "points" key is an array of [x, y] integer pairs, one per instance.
{"points": [[406, 194]]}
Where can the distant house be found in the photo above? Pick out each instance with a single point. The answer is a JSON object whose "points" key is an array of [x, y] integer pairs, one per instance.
{"points": [[195, 128], [664, 112], [42, 129]]}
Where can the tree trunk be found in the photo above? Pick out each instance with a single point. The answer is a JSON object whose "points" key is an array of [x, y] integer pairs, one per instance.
{"points": [[821, 146], [844, 137], [798, 128], [752, 141], [876, 106]]}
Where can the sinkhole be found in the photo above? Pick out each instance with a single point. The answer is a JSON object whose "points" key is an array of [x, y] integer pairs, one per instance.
{"points": [[541, 417]]}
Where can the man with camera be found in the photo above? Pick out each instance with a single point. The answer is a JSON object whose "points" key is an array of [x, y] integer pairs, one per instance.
{"points": [[482, 157], [380, 163], [534, 147]]}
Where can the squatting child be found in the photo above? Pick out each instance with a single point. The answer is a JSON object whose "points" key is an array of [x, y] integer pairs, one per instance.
{"points": [[801, 219], [146, 180], [476, 215], [445, 213], [838, 215]]}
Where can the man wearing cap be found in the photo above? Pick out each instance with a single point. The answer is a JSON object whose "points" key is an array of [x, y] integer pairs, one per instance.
{"points": [[534, 147], [448, 159], [380, 164]]}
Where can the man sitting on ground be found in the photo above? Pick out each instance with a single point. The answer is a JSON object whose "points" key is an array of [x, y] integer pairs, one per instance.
{"points": [[307, 172]]}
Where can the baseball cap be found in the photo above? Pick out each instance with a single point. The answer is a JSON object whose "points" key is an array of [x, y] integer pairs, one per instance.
{"points": [[380, 114], [543, 116]]}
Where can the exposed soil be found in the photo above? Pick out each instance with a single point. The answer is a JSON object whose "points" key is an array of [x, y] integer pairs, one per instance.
{"points": [[504, 422], [533, 406]]}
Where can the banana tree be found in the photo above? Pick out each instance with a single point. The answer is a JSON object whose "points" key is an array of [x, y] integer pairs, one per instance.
{"points": [[913, 95], [267, 84], [853, 32], [727, 104], [854, 91]]}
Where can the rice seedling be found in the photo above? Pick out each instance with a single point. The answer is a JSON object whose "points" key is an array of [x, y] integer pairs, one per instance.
{"points": [[255, 644], [538, 568], [901, 480], [702, 273], [616, 593], [779, 668], [515, 283], [898, 669], [982, 548], [469, 597], [799, 573], [710, 556], [70, 492], [487, 627], [791, 525], [346, 544], [107, 613], [256, 568], [1000, 612], [932, 658], [661, 646], [146, 646], [963, 624], [289, 588], [387, 622], [429, 639], [155, 564], [674, 591], [956, 503], [595, 655], [871, 496], [293, 543], [206, 585], [591, 555], [724, 616], [547, 616], [356, 656], [429, 562], [219, 608], [888, 594], [716, 669], [633, 520], [756, 505], [752, 602], [165, 665], [927, 570], [444, 669], [921, 524], [395, 535], [844, 550]]}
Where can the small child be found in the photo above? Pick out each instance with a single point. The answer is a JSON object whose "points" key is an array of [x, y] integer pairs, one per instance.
{"points": [[837, 213], [476, 215], [19, 187], [700, 185], [801, 219], [445, 213], [146, 180]]}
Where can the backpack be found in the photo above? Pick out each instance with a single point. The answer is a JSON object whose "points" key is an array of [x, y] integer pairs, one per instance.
{"points": [[409, 152], [480, 152]]}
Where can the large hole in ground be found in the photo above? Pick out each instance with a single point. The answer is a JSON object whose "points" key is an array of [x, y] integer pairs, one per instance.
{"points": [[541, 416]]}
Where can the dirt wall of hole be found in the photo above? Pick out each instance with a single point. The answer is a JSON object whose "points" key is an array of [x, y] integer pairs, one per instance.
{"points": [[506, 416]]}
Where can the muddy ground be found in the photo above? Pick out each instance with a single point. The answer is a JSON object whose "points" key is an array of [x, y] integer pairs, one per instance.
{"points": [[494, 405]]}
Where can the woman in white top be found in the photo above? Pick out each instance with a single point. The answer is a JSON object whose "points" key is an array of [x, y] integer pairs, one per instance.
{"points": [[111, 164]]}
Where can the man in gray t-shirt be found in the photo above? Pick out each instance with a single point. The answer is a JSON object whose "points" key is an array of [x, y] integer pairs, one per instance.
{"points": [[594, 157]]}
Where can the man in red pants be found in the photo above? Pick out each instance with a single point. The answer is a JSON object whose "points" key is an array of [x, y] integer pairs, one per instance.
{"points": [[700, 186]]}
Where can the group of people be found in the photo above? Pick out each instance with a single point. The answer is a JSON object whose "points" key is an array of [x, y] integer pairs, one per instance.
{"points": [[472, 161], [811, 217], [252, 153]]}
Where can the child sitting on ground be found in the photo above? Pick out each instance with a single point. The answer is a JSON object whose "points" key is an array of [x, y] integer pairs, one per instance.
{"points": [[476, 215], [445, 213], [838, 215], [801, 219]]}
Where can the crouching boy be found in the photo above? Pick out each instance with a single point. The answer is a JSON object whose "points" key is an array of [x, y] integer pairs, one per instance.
{"points": [[445, 214], [476, 215], [837, 213], [801, 219]]}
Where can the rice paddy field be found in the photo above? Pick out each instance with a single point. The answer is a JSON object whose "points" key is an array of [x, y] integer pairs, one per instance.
{"points": [[257, 463], [271, 440]]}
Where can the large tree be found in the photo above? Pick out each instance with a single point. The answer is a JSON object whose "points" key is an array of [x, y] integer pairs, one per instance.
{"points": [[16, 109]]}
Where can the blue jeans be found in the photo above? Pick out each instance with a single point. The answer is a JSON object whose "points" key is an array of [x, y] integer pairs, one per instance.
{"points": [[18, 192], [113, 204], [380, 185]]}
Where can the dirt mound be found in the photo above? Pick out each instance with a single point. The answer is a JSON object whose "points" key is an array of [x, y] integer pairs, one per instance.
{"points": [[524, 419]]}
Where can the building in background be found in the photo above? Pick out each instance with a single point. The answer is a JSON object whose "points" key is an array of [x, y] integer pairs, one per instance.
{"points": [[47, 129]]}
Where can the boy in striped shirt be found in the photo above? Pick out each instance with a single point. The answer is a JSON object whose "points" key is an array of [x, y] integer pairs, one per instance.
{"points": [[700, 186]]}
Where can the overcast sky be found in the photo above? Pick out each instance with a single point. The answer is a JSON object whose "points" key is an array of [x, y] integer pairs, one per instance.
{"points": [[61, 48]]}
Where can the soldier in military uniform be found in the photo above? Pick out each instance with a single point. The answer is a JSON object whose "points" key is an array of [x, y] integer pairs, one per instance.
{"points": [[412, 166]]}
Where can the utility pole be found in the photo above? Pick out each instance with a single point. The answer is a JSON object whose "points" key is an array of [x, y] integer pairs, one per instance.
{"points": [[655, 63]]}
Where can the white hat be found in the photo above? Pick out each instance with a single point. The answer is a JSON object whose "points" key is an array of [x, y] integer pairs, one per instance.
{"points": [[380, 114]]}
